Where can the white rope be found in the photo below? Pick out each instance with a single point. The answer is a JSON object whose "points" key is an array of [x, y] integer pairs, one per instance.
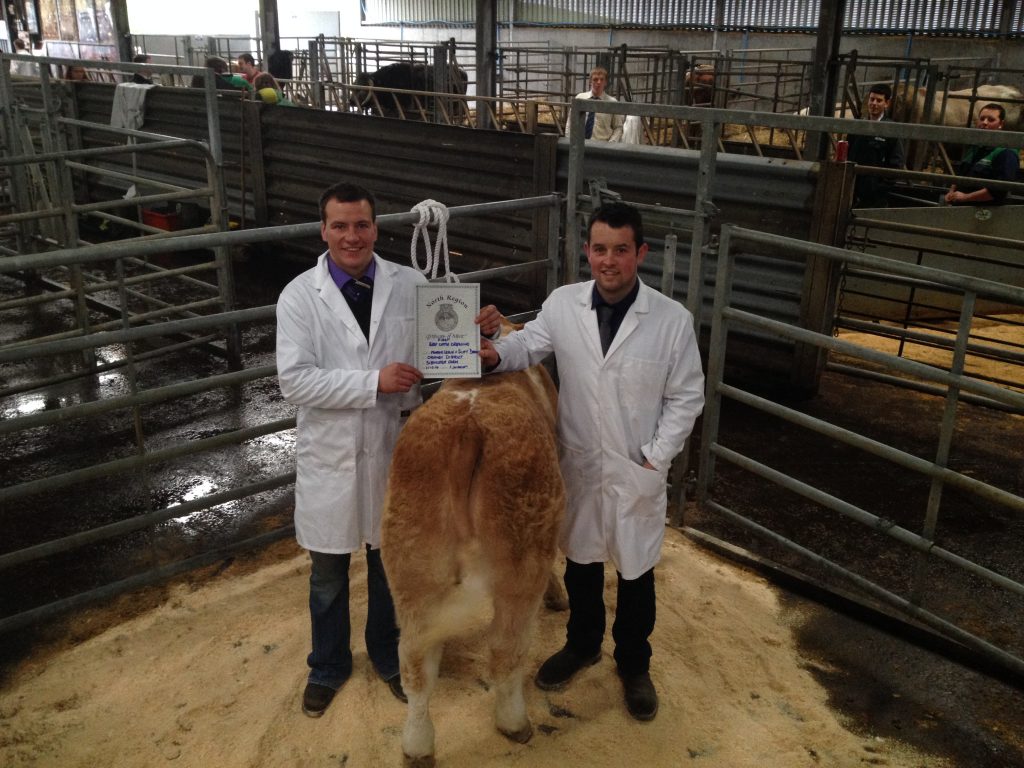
{"points": [[431, 211]]}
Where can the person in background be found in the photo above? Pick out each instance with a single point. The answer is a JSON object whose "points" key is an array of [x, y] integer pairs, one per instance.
{"points": [[631, 388], [873, 191], [600, 127], [144, 77], [23, 68], [247, 67], [268, 89], [223, 78], [75, 72], [279, 63], [996, 163]]}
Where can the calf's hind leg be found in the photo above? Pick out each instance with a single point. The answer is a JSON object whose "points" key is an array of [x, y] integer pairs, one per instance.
{"points": [[419, 666], [514, 613]]}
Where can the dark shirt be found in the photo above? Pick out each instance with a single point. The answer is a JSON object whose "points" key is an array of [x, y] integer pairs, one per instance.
{"points": [[989, 163], [873, 191], [619, 308]]}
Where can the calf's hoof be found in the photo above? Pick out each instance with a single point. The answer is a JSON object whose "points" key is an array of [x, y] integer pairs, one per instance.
{"points": [[424, 761], [521, 736]]}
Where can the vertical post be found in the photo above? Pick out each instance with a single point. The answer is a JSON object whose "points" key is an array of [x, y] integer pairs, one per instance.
{"points": [[716, 364], [12, 131], [486, 57], [219, 218], [575, 184], [316, 89], [946, 433], [823, 74], [122, 31]]}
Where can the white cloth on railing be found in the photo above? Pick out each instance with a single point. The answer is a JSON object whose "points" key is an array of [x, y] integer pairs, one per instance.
{"points": [[632, 130], [129, 107]]}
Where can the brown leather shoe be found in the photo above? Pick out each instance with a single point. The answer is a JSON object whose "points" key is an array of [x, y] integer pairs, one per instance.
{"points": [[555, 673], [316, 698], [641, 698]]}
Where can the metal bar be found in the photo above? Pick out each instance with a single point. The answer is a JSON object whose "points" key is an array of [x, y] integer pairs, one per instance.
{"points": [[104, 367], [984, 288], [874, 522], [145, 397], [875, 448], [917, 386], [134, 463], [945, 234], [120, 149], [929, 339], [179, 242], [138, 522], [106, 338], [19, 620], [915, 611], [135, 178], [920, 370]]}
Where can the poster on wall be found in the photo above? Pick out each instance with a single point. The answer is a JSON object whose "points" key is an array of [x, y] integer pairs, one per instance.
{"points": [[31, 21]]}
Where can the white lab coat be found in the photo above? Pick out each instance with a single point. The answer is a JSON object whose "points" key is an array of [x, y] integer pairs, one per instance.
{"points": [[346, 430], [640, 401]]}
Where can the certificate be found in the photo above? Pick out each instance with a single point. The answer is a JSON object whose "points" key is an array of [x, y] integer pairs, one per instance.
{"points": [[447, 339]]}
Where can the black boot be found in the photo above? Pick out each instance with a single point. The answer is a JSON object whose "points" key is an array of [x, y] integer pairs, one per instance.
{"points": [[641, 698], [555, 673]]}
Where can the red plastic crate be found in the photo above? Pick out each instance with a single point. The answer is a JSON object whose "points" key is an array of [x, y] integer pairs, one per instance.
{"points": [[168, 221]]}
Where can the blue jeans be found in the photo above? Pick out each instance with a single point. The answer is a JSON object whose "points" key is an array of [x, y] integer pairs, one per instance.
{"points": [[330, 662]]}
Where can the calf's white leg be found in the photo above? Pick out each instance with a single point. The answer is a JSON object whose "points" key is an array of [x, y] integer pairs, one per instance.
{"points": [[419, 674]]}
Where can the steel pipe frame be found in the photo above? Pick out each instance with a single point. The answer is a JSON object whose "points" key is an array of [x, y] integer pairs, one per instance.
{"points": [[154, 576], [148, 247], [551, 202], [725, 317]]}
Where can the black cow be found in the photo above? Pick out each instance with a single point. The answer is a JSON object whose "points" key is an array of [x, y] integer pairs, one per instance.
{"points": [[407, 76]]}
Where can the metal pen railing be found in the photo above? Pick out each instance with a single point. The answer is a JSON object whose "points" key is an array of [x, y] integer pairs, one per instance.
{"points": [[937, 471]]}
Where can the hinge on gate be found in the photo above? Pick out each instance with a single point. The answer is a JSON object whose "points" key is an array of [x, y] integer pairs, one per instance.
{"points": [[600, 194]]}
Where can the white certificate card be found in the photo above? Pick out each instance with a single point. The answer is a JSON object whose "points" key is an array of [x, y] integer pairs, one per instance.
{"points": [[447, 339]]}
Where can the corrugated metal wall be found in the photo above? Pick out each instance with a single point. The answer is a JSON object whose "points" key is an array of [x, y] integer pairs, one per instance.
{"points": [[278, 159], [963, 17]]}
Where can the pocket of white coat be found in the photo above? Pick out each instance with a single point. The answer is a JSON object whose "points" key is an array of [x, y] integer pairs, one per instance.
{"points": [[645, 492], [643, 383]]}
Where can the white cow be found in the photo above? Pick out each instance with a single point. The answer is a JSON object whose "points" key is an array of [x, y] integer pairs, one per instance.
{"points": [[954, 109]]}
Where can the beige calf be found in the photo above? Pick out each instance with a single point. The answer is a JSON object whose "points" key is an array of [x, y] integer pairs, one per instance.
{"points": [[474, 502]]}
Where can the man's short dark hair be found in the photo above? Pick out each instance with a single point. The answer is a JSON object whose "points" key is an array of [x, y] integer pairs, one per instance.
{"points": [[217, 64], [882, 88], [616, 216], [344, 192], [140, 58], [247, 58], [997, 107]]}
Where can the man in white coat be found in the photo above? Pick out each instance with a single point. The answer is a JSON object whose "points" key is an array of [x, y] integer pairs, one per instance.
{"points": [[631, 388], [345, 340], [601, 127]]}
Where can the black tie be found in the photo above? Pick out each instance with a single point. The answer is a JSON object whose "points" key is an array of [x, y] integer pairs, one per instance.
{"points": [[359, 295], [588, 130], [604, 326]]}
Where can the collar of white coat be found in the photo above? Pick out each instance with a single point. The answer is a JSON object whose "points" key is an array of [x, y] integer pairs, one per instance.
{"points": [[642, 303], [329, 293]]}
